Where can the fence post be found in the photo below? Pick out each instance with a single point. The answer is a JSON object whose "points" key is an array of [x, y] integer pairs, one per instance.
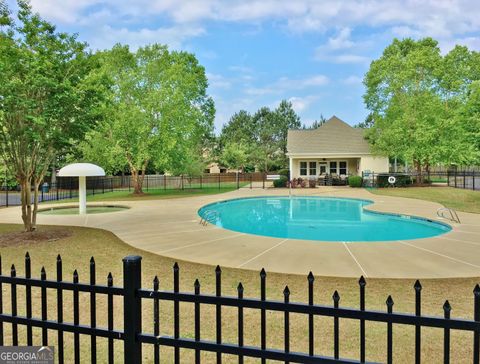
{"points": [[219, 181], [473, 181], [263, 180], [6, 190], [251, 181], [464, 178], [238, 180], [132, 308], [201, 185], [455, 176]]}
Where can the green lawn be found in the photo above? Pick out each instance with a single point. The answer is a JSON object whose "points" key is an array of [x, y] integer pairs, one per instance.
{"points": [[456, 198], [108, 251], [151, 194]]}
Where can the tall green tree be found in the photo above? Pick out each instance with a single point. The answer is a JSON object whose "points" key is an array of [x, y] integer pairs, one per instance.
{"points": [[285, 118], [49, 97], [414, 95], [234, 156], [159, 112]]}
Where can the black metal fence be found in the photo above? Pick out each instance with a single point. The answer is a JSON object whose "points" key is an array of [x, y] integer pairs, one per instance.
{"points": [[469, 180], [67, 188], [135, 299]]}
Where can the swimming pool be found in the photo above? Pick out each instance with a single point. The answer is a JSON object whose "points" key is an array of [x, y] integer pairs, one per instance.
{"points": [[317, 218]]}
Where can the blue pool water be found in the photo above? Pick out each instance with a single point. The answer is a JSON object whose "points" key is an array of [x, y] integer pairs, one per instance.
{"points": [[317, 218]]}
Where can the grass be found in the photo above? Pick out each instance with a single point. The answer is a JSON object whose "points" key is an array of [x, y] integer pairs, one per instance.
{"points": [[108, 251], [456, 198]]}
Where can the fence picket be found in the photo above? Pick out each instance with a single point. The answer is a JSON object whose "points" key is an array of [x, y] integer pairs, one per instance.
{"points": [[263, 317], [176, 311], [336, 334], [197, 320], [311, 330], [362, 283], [1, 305], [93, 314], [476, 317], [76, 319], [156, 321], [389, 332], [111, 357], [28, 298], [446, 333], [43, 277], [286, 319], [218, 310], [418, 330], [240, 321], [60, 310], [13, 293]]}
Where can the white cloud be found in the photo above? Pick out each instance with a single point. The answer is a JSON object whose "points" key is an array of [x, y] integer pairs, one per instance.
{"points": [[218, 81], [352, 80], [173, 36], [300, 104], [284, 84]]}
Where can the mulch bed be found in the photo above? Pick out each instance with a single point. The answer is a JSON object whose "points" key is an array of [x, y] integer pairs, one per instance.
{"points": [[43, 235]]}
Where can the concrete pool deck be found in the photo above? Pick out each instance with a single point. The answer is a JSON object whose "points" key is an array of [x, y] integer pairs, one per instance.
{"points": [[170, 227]]}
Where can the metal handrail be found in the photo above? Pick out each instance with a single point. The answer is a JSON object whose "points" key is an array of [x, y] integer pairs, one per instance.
{"points": [[453, 214], [207, 216]]}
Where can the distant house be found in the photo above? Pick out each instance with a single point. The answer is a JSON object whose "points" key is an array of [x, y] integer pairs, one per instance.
{"points": [[217, 168], [334, 148]]}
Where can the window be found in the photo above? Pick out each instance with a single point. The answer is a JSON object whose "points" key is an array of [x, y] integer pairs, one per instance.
{"points": [[342, 166], [313, 168], [333, 167], [303, 168]]}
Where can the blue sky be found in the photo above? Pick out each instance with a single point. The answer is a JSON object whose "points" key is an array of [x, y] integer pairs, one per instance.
{"points": [[258, 52]]}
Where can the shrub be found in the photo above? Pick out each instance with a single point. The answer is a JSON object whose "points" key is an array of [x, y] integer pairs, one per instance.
{"points": [[355, 181], [312, 183], [284, 172], [402, 180], [281, 182]]}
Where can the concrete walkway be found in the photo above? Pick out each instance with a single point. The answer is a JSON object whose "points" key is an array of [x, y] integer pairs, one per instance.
{"points": [[170, 227]]}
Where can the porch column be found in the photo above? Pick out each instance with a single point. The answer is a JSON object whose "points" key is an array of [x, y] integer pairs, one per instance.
{"points": [[290, 163]]}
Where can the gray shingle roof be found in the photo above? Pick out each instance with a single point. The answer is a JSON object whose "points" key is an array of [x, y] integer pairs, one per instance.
{"points": [[335, 136]]}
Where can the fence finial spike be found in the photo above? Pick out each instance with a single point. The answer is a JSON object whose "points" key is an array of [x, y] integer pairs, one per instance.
{"points": [[218, 269], [310, 277], [286, 291], [92, 260], [42, 271], [263, 273], [240, 287], [12, 268], [27, 255], [417, 285], [476, 290], [446, 306], [155, 280], [59, 258], [176, 267], [362, 282], [336, 296], [389, 301], [196, 284]]}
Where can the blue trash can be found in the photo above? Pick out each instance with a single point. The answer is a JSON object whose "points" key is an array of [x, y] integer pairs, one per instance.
{"points": [[45, 187]]}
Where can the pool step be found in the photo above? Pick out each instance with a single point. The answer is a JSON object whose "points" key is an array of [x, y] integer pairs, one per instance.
{"points": [[208, 216]]}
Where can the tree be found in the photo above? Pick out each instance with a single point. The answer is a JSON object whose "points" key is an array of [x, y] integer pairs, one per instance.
{"points": [[48, 99], [285, 118], [367, 123], [234, 156], [414, 95], [316, 123], [159, 112]]}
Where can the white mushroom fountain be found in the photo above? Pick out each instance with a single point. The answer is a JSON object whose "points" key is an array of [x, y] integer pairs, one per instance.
{"points": [[82, 171]]}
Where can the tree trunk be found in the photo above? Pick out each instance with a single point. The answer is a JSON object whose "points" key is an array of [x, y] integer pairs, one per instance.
{"points": [[28, 215], [418, 167]]}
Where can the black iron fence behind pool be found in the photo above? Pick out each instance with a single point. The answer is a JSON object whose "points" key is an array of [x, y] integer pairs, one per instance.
{"points": [[18, 290], [67, 188], [469, 180]]}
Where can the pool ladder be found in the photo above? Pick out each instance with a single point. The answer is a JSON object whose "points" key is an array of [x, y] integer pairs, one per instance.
{"points": [[208, 216], [453, 214]]}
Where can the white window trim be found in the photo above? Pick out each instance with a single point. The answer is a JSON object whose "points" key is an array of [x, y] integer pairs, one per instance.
{"points": [[338, 165], [308, 168]]}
